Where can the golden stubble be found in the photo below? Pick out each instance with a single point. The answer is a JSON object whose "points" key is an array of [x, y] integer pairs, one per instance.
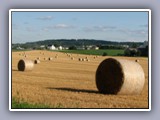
{"points": [[69, 83]]}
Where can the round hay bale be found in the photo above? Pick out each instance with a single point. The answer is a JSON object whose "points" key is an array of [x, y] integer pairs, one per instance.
{"points": [[83, 59], [38, 58], [50, 58], [87, 60], [25, 65], [72, 58], [80, 59], [45, 58], [117, 76], [36, 61], [136, 60]]}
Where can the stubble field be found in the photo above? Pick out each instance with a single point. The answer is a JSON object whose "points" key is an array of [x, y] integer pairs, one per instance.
{"points": [[66, 83]]}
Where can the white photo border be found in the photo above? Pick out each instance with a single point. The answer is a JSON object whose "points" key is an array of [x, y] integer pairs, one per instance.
{"points": [[81, 10]]}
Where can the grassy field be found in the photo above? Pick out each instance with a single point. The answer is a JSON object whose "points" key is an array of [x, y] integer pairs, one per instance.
{"points": [[67, 83], [17, 104], [110, 52]]}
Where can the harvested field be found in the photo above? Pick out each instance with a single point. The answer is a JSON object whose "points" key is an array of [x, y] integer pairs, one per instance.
{"points": [[69, 83]]}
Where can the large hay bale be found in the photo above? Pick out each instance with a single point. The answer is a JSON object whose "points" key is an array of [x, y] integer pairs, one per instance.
{"points": [[25, 65], [36, 61], [117, 76]]}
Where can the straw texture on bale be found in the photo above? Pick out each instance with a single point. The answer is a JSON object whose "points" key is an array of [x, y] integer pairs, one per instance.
{"points": [[36, 61], [25, 65], [117, 76]]}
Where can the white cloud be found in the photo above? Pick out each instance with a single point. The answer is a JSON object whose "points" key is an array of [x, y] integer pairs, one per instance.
{"points": [[62, 26], [58, 26], [134, 32], [99, 28], [30, 29], [45, 18]]}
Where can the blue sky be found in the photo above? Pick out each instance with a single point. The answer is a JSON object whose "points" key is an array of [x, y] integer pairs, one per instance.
{"points": [[112, 26]]}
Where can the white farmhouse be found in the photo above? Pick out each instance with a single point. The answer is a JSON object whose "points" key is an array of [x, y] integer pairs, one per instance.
{"points": [[95, 48], [60, 48], [51, 47]]}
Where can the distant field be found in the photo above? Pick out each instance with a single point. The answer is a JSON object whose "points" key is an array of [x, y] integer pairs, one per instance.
{"points": [[110, 52], [15, 50]]}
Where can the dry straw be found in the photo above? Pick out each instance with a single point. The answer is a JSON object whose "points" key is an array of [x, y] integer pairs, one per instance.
{"points": [[117, 76], [25, 65]]}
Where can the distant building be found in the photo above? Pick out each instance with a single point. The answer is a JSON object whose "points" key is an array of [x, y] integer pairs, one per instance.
{"points": [[42, 47], [19, 48], [60, 48], [88, 47], [125, 46], [81, 48], [65, 48], [95, 48], [51, 47]]}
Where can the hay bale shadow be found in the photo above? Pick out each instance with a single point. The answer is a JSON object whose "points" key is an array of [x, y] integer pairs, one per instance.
{"points": [[74, 90]]}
